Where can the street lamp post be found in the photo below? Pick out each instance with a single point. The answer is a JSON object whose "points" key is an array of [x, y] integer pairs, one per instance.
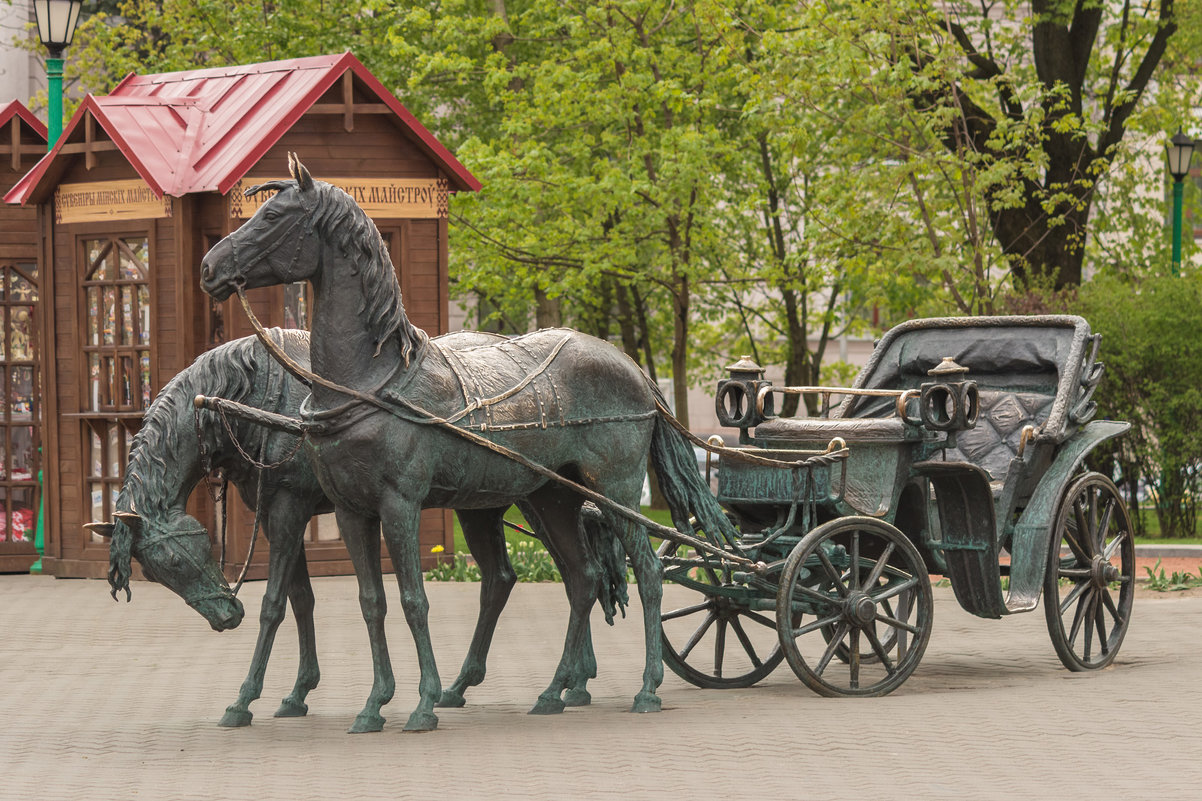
{"points": [[56, 28], [1180, 151]]}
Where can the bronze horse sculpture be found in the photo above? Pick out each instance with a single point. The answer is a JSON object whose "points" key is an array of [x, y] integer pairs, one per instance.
{"points": [[389, 416], [166, 463], [171, 454]]}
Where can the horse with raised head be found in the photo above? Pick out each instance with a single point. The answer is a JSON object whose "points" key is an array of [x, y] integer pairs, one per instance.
{"points": [[400, 423]]}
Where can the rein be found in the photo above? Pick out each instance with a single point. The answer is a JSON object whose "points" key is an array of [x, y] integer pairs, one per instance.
{"points": [[258, 463], [424, 417]]}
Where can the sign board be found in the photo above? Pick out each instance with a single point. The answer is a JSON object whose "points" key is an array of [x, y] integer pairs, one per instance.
{"points": [[384, 198], [105, 201]]}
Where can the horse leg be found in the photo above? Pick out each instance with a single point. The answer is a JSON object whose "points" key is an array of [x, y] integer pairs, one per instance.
{"points": [[300, 596], [282, 562], [401, 519], [485, 534], [582, 666], [558, 513], [649, 572], [362, 538]]}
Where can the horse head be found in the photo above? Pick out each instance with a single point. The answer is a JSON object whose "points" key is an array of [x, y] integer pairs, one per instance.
{"points": [[274, 246], [173, 552]]}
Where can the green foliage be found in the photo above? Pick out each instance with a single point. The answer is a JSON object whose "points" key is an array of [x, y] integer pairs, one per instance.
{"points": [[1152, 346], [529, 559], [1159, 582], [705, 178]]}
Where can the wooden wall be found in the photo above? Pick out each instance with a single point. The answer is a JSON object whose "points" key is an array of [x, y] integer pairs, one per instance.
{"points": [[18, 245], [182, 327]]}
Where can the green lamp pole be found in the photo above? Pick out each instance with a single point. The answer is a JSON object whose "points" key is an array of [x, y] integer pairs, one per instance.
{"points": [[56, 28], [1180, 151]]}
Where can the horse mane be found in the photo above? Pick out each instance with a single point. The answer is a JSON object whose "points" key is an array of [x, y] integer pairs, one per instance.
{"points": [[228, 371], [340, 220]]}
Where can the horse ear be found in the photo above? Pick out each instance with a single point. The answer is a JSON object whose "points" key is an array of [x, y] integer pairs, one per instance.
{"points": [[299, 173], [131, 519], [103, 529]]}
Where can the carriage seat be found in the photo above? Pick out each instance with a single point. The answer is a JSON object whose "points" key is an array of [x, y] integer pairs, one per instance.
{"points": [[993, 443], [824, 429]]}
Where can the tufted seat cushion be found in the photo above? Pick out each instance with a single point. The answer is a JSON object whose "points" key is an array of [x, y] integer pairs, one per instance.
{"points": [[993, 443]]}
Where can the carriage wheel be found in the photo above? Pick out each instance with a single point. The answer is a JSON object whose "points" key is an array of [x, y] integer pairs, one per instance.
{"points": [[900, 608], [865, 584], [720, 642], [1093, 551]]}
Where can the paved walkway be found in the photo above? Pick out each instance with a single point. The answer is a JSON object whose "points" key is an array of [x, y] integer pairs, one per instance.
{"points": [[100, 700]]}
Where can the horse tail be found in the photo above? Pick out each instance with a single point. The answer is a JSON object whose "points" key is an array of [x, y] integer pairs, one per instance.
{"points": [[605, 551], [683, 487]]}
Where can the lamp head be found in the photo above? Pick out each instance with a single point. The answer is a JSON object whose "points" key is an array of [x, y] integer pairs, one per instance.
{"points": [[1180, 151], [56, 23]]}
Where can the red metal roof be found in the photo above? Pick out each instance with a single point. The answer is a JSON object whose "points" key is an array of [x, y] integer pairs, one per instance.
{"points": [[15, 108], [202, 130]]}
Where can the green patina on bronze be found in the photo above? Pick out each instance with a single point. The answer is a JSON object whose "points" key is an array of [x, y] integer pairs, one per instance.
{"points": [[964, 442], [958, 450], [564, 402]]}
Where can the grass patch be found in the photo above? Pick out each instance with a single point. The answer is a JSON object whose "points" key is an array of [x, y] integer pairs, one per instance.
{"points": [[1159, 582], [661, 516], [529, 558]]}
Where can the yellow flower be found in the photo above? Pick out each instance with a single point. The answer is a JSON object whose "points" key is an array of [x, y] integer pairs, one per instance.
{"points": [[437, 549]]}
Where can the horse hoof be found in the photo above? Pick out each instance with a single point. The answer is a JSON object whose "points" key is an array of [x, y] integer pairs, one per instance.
{"points": [[366, 722], [547, 705], [235, 718], [646, 702], [574, 696], [291, 708], [451, 700], [422, 721]]}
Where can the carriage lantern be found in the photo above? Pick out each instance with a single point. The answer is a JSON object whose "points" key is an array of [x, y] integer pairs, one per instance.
{"points": [[735, 401], [950, 403]]}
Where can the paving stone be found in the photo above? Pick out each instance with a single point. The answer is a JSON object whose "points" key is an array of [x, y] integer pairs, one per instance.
{"points": [[106, 700]]}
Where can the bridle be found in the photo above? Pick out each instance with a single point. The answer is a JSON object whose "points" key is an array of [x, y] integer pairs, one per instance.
{"points": [[159, 538], [239, 268]]}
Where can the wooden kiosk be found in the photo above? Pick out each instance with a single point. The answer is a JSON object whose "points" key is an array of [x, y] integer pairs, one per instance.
{"points": [[142, 183], [22, 143]]}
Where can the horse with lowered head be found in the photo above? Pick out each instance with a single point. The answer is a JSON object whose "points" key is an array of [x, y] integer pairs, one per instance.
{"points": [[400, 423]]}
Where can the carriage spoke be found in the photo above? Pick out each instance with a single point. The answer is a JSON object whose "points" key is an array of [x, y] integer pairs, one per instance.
{"points": [[1073, 595], [697, 635], [685, 611], [1089, 620], [813, 595], [897, 624], [853, 658], [878, 568], [880, 652], [1078, 616], [1099, 617], [832, 572], [1081, 538], [1074, 572], [1114, 612], [891, 590], [1118, 540], [767, 622], [1104, 522], [831, 647], [746, 641], [817, 624], [719, 647], [853, 567]]}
